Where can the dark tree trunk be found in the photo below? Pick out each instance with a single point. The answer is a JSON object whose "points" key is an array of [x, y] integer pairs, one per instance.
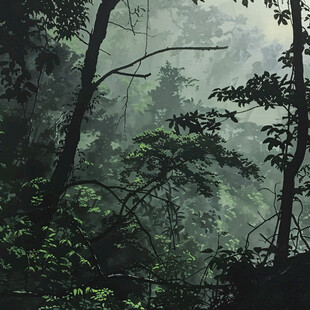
{"points": [[72, 138], [292, 168], [66, 159]]}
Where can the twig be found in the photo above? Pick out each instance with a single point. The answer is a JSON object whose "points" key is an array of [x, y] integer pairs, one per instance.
{"points": [[149, 237], [266, 239], [92, 251], [258, 226], [128, 29], [130, 18], [300, 232], [83, 41]]}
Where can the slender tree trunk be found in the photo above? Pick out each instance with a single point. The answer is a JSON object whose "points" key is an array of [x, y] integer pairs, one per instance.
{"points": [[72, 138], [292, 168], [66, 159]]}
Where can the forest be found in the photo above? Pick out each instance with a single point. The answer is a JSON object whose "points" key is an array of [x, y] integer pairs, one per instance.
{"points": [[154, 155]]}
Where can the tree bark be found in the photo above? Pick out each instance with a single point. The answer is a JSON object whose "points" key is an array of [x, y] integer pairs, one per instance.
{"points": [[66, 159], [291, 170]]}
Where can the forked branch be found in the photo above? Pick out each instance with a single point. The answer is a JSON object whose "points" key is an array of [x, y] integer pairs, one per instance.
{"points": [[164, 50]]}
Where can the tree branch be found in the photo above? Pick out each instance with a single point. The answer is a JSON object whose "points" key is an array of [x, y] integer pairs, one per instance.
{"points": [[96, 283], [128, 29], [95, 182], [134, 74], [100, 49], [164, 50], [257, 227]]}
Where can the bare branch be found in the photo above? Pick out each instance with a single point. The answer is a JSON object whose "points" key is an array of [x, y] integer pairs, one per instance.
{"points": [[266, 239], [128, 29], [130, 18], [257, 227], [300, 232], [83, 41], [134, 74], [149, 237], [164, 50], [147, 26]]}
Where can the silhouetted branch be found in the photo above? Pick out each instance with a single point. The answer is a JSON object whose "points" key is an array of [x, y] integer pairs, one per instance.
{"points": [[257, 227], [128, 29], [149, 237], [100, 282], [83, 41], [164, 50], [95, 182], [91, 250], [134, 74], [300, 232]]}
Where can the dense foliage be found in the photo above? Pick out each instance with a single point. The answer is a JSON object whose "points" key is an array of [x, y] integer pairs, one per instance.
{"points": [[119, 190]]}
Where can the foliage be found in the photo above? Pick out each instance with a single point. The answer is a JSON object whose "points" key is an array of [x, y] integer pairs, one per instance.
{"points": [[31, 27], [188, 157], [154, 217]]}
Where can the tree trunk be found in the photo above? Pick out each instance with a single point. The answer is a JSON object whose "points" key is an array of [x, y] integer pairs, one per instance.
{"points": [[292, 167], [66, 159], [72, 138]]}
